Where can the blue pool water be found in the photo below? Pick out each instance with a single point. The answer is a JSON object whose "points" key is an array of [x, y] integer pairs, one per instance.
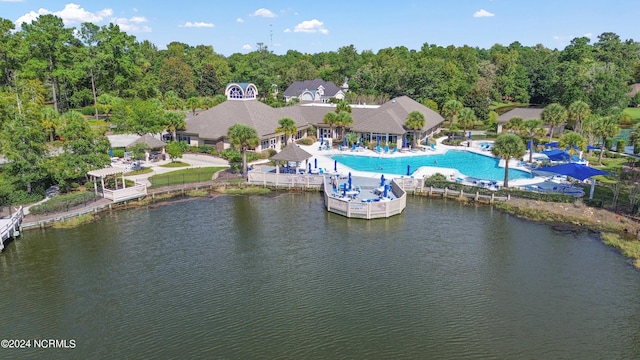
{"points": [[468, 163]]}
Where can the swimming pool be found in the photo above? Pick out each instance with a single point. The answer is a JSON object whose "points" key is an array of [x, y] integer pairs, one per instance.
{"points": [[468, 163]]}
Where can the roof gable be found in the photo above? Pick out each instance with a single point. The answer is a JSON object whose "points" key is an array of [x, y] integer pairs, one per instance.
{"points": [[524, 113]]}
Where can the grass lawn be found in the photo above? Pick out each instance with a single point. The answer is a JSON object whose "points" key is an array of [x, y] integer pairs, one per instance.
{"points": [[633, 112], [139, 172], [184, 176], [175, 164]]}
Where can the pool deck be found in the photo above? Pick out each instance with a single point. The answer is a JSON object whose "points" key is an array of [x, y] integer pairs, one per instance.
{"points": [[326, 162]]}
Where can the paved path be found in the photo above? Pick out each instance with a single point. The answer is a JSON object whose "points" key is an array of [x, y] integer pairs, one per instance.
{"points": [[194, 161]]}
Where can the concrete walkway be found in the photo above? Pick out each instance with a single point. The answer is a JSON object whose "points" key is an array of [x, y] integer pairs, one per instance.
{"points": [[194, 161]]}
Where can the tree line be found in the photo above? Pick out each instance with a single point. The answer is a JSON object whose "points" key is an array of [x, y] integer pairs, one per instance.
{"points": [[50, 73]]}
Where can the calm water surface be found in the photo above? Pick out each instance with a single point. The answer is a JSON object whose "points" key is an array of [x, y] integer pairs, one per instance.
{"points": [[278, 277]]}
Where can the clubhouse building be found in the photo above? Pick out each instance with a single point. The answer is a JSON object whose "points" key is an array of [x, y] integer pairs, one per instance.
{"points": [[370, 122]]}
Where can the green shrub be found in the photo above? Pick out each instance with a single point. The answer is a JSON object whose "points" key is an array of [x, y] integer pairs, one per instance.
{"points": [[636, 148], [62, 203], [88, 110], [620, 145], [608, 143], [118, 153], [306, 141]]}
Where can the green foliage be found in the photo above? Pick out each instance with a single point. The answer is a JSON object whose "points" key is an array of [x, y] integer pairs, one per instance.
{"points": [[88, 110], [184, 176], [306, 141], [64, 202], [620, 145], [176, 149]]}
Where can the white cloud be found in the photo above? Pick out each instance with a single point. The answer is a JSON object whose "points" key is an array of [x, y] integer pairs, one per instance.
{"points": [[483, 13], [71, 14], [264, 13], [135, 9], [198, 24], [132, 24], [287, 30], [246, 47], [311, 26], [239, 20]]}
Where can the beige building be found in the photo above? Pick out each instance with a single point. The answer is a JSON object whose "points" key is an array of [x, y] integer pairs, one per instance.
{"points": [[370, 122]]}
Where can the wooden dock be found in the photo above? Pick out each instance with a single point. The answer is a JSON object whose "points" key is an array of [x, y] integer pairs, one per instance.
{"points": [[10, 225]]}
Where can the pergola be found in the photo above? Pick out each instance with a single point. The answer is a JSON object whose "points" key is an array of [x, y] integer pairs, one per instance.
{"points": [[103, 173], [291, 153]]}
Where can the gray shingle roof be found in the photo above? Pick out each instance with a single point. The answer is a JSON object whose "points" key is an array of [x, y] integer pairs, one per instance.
{"points": [[148, 139], [524, 113], [291, 153], [297, 87], [388, 118]]}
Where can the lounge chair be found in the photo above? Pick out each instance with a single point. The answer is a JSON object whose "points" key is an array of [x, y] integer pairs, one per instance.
{"points": [[353, 148], [386, 149], [378, 149], [394, 150], [433, 146]]}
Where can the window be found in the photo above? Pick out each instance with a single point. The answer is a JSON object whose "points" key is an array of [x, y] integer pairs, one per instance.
{"points": [[235, 93], [250, 93]]}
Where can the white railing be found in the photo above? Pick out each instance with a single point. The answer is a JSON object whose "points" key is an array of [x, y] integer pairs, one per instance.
{"points": [[133, 192], [290, 180], [9, 226], [366, 210]]}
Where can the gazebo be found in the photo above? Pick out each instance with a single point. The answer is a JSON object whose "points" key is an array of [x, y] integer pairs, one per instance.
{"points": [[292, 153], [151, 142], [125, 193]]}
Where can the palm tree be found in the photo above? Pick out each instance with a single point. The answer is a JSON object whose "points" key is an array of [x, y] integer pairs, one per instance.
{"points": [[174, 121], [288, 127], [508, 146], [466, 118], [514, 124], [590, 129], [606, 127], [50, 120], [343, 121], [415, 121], [343, 106], [554, 115], [578, 111], [451, 109], [634, 137], [531, 128], [243, 137], [330, 119], [572, 140], [193, 103]]}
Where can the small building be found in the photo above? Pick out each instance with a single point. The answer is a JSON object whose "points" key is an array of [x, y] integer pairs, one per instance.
{"points": [[316, 90]]}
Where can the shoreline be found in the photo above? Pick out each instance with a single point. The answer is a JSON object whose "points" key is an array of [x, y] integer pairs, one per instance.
{"points": [[616, 231]]}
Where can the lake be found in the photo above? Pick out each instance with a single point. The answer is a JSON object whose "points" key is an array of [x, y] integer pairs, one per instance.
{"points": [[240, 277]]}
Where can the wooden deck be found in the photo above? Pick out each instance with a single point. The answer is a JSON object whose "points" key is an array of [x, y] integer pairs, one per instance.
{"points": [[10, 225]]}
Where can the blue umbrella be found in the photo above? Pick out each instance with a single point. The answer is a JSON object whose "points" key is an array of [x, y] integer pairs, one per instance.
{"points": [[110, 152], [386, 189], [378, 141], [344, 141], [309, 168], [321, 139], [408, 170], [335, 165], [344, 191], [315, 163], [405, 142], [469, 135], [382, 180], [530, 144], [349, 180]]}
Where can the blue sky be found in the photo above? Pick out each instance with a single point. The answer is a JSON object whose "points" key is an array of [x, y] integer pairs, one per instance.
{"points": [[318, 26]]}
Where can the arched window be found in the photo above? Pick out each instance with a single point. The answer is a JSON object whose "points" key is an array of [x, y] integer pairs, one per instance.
{"points": [[250, 93], [235, 93]]}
